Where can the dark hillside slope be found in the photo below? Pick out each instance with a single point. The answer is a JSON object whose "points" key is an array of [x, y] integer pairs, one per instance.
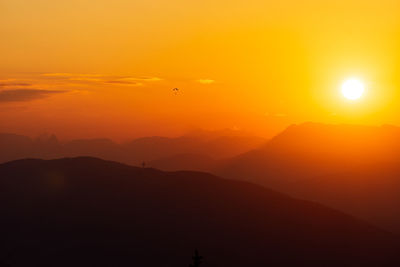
{"points": [[90, 212]]}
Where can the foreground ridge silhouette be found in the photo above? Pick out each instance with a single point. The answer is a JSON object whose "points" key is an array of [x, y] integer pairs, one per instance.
{"points": [[88, 212], [197, 259]]}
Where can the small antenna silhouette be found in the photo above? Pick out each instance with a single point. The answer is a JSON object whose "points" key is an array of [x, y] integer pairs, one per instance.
{"points": [[143, 164], [197, 259]]}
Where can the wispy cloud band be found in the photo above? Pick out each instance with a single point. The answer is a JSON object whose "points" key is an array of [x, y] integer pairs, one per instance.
{"points": [[102, 79], [205, 81], [23, 95]]}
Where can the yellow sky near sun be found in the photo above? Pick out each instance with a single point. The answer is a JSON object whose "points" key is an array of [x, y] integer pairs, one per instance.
{"points": [[255, 65]]}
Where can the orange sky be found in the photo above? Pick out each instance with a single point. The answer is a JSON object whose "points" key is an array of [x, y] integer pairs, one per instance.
{"points": [[84, 68]]}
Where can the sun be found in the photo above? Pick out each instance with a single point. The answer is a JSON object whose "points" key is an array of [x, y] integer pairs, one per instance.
{"points": [[353, 89]]}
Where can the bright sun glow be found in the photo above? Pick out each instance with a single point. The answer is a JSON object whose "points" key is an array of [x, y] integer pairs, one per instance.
{"points": [[352, 89]]}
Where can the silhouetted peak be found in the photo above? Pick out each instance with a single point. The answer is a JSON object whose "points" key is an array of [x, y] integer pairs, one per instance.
{"points": [[343, 142], [50, 139], [212, 134]]}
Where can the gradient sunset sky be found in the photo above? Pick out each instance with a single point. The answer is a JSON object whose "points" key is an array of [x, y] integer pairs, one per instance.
{"points": [[81, 68]]}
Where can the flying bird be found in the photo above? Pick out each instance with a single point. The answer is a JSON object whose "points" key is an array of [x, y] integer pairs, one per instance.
{"points": [[175, 90]]}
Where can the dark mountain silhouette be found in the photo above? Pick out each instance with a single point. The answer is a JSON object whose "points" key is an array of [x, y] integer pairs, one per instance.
{"points": [[102, 148], [213, 134], [193, 162], [90, 212], [14, 146], [218, 144], [351, 168], [199, 142]]}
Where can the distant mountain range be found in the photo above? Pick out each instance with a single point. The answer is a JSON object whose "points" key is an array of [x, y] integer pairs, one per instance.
{"points": [[352, 168], [90, 212], [348, 167], [212, 144]]}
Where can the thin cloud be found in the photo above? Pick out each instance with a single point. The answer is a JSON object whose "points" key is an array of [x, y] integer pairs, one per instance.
{"points": [[14, 84], [133, 81], [104, 79], [24, 95], [205, 81], [70, 75], [128, 83], [85, 79], [144, 79]]}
